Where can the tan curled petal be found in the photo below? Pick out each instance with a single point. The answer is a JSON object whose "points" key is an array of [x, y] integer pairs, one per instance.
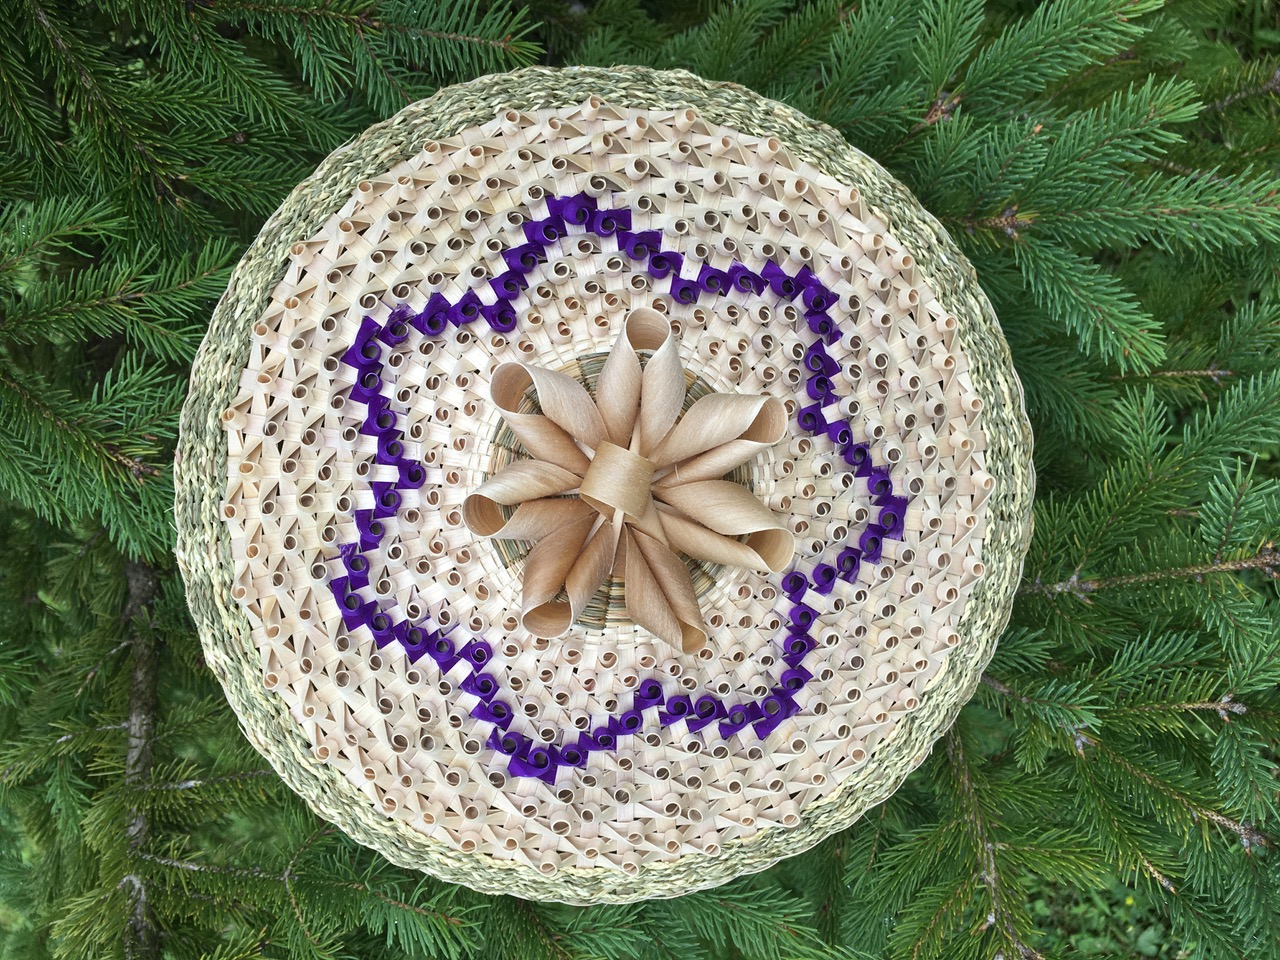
{"points": [[719, 418], [541, 436], [567, 404], [713, 464], [725, 507], [532, 520], [527, 480], [662, 386], [618, 391], [592, 566], [666, 596], [545, 569], [649, 523], [765, 550]]}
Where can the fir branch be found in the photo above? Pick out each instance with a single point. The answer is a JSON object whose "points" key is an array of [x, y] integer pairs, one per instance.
{"points": [[154, 301], [142, 936], [37, 408], [91, 91], [1058, 39], [1272, 86], [287, 879], [1090, 303], [1250, 838], [1265, 560], [1002, 916], [933, 929], [196, 784]]}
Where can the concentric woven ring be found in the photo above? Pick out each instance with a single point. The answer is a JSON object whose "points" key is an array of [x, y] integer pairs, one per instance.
{"points": [[338, 415]]}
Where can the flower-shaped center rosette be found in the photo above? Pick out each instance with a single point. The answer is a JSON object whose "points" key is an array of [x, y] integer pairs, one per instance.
{"points": [[648, 485]]}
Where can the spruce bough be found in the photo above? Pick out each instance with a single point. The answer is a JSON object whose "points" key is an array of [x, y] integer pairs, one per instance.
{"points": [[1109, 166]]}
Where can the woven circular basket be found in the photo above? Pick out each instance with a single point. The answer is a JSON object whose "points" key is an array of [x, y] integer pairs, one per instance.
{"points": [[599, 484]]}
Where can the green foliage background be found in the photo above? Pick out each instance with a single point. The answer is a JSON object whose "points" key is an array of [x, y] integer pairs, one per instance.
{"points": [[1110, 167]]}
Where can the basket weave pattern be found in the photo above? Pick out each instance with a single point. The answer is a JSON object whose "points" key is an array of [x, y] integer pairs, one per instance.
{"points": [[340, 414]]}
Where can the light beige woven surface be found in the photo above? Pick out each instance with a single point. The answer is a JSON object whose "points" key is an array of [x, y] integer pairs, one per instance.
{"points": [[210, 563]]}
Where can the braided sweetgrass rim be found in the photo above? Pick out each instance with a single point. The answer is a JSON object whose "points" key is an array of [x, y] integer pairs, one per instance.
{"points": [[204, 544]]}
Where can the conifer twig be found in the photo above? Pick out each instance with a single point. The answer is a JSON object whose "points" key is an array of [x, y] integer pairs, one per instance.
{"points": [[989, 872], [1266, 560], [1249, 837], [1271, 86], [142, 938], [136, 467], [363, 18], [287, 877]]}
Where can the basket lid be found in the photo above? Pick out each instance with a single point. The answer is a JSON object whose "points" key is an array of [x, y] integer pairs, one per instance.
{"points": [[599, 484]]}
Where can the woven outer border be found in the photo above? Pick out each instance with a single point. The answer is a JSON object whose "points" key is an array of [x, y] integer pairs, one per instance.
{"points": [[204, 551]]}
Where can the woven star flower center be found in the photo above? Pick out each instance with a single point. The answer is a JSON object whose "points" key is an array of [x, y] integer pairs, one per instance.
{"points": [[625, 486]]}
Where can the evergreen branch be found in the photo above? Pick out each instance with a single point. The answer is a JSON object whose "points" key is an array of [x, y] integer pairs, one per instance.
{"points": [[197, 784], [555, 948], [29, 232], [1026, 700], [1232, 518], [1090, 303], [70, 429], [148, 300], [142, 936], [1248, 836], [1266, 560], [963, 891], [93, 671], [1123, 835], [984, 847], [364, 19], [1270, 87], [68, 52], [1189, 211], [287, 879], [1058, 39], [1244, 417], [831, 902]]}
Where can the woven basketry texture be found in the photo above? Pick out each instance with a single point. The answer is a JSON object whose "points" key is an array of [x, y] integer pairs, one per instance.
{"points": [[599, 484]]}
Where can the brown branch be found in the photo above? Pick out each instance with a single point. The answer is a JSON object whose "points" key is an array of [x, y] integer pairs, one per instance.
{"points": [[1249, 837], [1271, 86], [135, 466], [1212, 372], [1266, 560], [1001, 915], [1008, 223], [363, 19], [943, 106], [142, 936], [195, 784], [287, 877], [1222, 707]]}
